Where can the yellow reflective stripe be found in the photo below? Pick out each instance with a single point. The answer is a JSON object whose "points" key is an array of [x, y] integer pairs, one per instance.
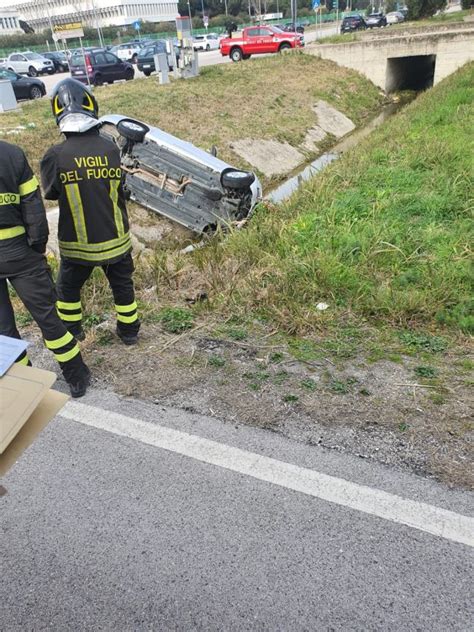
{"points": [[127, 319], [114, 186], [9, 198], [123, 309], [63, 305], [8, 233], [29, 186], [100, 256], [59, 342], [69, 355], [77, 211], [24, 361], [70, 318], [95, 247]]}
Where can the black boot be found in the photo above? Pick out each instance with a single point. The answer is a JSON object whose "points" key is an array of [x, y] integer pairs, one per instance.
{"points": [[78, 387]]}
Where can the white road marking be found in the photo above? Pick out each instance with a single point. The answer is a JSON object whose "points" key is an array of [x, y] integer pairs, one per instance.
{"points": [[434, 520]]}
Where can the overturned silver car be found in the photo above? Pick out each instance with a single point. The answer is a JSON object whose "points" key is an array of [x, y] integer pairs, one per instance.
{"points": [[178, 180]]}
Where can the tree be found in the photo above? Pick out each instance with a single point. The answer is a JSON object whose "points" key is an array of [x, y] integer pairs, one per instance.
{"points": [[424, 8]]}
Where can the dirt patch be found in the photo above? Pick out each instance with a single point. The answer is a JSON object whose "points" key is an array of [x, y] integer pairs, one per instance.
{"points": [[376, 410], [332, 121], [268, 156]]}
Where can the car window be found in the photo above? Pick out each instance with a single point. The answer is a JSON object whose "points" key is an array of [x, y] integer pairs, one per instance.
{"points": [[146, 52], [15, 57], [199, 38], [7, 74], [77, 60], [265, 32], [111, 59], [252, 32], [33, 56], [99, 58]]}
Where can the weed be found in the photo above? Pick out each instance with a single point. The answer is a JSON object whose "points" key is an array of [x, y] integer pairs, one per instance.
{"points": [[280, 377], [23, 318], [425, 371], [104, 338], [258, 376], [276, 357], [338, 386], [309, 384], [365, 392], [424, 342], [175, 320], [237, 333], [92, 320], [290, 398], [437, 398], [403, 427], [216, 361]]}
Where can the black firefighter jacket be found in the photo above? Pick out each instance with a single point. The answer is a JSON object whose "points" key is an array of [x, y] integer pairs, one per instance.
{"points": [[84, 174], [22, 215]]}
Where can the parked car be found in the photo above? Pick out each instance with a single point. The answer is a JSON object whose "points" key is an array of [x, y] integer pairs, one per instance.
{"points": [[178, 180], [289, 27], [128, 51], [206, 42], [101, 67], [146, 56], [59, 60], [353, 23], [24, 87], [255, 40], [395, 17], [29, 63], [376, 20]]}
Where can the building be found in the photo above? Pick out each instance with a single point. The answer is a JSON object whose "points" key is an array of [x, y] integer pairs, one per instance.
{"points": [[40, 14], [9, 22]]}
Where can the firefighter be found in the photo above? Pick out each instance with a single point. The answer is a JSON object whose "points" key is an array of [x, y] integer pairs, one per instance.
{"points": [[85, 175], [23, 237]]}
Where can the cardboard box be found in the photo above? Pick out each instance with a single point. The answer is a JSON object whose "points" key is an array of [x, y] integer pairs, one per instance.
{"points": [[27, 405]]}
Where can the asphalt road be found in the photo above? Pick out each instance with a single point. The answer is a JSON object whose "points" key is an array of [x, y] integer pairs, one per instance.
{"points": [[206, 58], [128, 516]]}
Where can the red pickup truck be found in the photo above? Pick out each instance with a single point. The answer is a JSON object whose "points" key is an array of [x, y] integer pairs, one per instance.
{"points": [[255, 40]]}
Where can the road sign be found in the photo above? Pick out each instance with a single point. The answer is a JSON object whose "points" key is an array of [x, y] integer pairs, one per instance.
{"points": [[316, 4], [137, 24], [205, 20], [68, 30]]}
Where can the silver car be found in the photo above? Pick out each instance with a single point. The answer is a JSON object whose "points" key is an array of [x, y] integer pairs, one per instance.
{"points": [[178, 180], [29, 63]]}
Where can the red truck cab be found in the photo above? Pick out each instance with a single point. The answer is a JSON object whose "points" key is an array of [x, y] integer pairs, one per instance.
{"points": [[255, 40]]}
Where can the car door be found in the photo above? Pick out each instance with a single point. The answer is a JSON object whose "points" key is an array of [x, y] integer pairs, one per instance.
{"points": [[252, 40], [267, 41], [115, 67]]}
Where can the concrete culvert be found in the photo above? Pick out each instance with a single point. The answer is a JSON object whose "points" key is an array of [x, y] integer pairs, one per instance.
{"points": [[410, 73]]}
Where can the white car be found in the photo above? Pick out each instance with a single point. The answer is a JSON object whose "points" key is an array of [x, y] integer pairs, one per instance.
{"points": [[395, 17], [127, 52], [29, 63], [206, 42]]}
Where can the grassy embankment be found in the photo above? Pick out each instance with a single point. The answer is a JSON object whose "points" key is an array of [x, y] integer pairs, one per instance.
{"points": [[269, 98], [384, 235]]}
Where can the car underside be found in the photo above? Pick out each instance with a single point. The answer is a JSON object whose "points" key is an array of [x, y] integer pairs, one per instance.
{"points": [[178, 180]]}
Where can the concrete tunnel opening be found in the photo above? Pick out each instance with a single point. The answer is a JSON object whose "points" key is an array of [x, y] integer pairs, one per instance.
{"points": [[410, 73]]}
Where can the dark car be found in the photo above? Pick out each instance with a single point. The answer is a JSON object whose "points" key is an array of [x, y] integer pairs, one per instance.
{"points": [[353, 23], [101, 67], [24, 87], [376, 20], [146, 56], [289, 27], [59, 60]]}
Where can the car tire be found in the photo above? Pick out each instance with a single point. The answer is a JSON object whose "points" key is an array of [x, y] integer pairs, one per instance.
{"points": [[132, 130], [147, 73], [32, 72], [35, 92], [129, 74], [245, 57], [235, 179], [284, 46], [98, 81], [134, 58], [52, 71], [236, 54], [208, 47]]}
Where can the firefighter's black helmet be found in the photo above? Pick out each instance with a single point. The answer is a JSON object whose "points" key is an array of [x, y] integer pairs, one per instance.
{"points": [[70, 96]]}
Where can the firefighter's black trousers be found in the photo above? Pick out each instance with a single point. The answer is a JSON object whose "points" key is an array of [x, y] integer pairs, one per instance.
{"points": [[72, 277], [31, 279]]}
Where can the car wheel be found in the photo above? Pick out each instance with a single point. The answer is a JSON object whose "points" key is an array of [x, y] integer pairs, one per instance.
{"points": [[35, 92], [134, 58], [208, 47], [98, 81], [245, 57], [132, 130], [147, 73], [284, 46], [236, 54], [32, 71], [129, 74], [237, 179], [52, 71]]}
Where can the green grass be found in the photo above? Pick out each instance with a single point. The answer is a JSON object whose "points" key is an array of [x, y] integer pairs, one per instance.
{"points": [[385, 234], [176, 320]]}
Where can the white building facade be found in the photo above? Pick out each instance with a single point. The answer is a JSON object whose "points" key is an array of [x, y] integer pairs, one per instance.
{"points": [[40, 14], [9, 22]]}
